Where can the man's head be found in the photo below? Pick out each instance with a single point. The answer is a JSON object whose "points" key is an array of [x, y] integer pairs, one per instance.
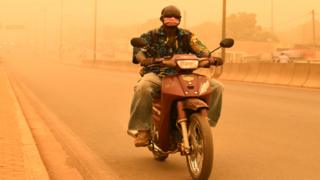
{"points": [[170, 16]]}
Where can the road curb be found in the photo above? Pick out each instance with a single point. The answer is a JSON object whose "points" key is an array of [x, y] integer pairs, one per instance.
{"points": [[64, 155], [34, 167]]}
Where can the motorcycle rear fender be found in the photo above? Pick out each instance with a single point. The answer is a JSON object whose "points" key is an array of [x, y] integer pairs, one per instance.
{"points": [[194, 104]]}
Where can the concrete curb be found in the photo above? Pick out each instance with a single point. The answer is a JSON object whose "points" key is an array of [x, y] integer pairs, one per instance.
{"points": [[33, 164], [64, 155], [304, 75]]}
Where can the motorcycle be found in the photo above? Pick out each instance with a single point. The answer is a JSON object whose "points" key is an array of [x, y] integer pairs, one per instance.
{"points": [[180, 115]]}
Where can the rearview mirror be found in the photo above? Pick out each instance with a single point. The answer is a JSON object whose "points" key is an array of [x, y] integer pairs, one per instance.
{"points": [[138, 42], [227, 43]]}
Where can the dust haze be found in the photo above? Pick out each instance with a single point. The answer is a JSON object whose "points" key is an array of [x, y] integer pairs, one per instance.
{"points": [[39, 37], [68, 30]]}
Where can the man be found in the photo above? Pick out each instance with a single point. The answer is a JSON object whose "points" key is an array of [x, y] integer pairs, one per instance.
{"points": [[165, 41]]}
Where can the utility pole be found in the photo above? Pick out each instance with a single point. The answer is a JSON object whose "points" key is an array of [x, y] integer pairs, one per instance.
{"points": [[224, 12], [61, 30], [272, 23], [44, 33], [185, 19], [95, 33], [313, 29]]}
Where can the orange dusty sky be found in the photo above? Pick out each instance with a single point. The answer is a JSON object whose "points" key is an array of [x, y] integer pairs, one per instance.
{"points": [[123, 12]]}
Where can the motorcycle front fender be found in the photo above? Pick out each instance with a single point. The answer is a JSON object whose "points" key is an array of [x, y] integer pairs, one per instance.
{"points": [[194, 104]]}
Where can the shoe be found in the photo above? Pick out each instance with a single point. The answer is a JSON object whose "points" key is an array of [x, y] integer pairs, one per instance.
{"points": [[142, 139]]}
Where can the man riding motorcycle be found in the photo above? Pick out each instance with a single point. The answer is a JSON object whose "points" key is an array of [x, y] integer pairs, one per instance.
{"points": [[165, 42]]}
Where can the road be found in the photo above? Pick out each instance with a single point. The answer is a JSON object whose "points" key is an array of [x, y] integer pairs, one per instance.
{"points": [[265, 132]]}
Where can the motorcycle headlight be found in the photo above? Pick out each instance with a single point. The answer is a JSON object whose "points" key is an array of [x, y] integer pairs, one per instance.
{"points": [[188, 64]]}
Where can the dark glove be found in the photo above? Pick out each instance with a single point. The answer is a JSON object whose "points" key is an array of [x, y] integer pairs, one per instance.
{"points": [[147, 61], [216, 61]]}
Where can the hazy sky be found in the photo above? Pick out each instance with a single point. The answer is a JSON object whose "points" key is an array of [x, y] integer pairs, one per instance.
{"points": [[210, 10], [138, 11]]}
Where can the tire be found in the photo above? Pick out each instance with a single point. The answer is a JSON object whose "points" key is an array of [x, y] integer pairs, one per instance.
{"points": [[200, 158]]}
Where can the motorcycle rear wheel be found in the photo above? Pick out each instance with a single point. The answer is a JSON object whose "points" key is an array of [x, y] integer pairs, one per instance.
{"points": [[200, 158]]}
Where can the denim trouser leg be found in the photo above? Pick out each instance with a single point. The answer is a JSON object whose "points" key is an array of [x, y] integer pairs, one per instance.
{"points": [[149, 86], [215, 102], [141, 106]]}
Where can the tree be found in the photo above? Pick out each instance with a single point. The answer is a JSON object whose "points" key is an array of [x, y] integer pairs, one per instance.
{"points": [[243, 26]]}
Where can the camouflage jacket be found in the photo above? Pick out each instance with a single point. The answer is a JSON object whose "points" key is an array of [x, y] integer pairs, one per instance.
{"points": [[185, 43]]}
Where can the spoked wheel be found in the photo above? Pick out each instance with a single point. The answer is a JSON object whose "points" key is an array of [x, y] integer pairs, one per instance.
{"points": [[201, 156]]}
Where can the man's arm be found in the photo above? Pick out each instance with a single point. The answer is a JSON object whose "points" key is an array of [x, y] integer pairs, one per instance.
{"points": [[202, 51], [138, 54], [140, 58], [198, 47]]}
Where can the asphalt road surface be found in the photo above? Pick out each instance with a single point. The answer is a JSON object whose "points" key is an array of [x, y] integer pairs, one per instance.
{"points": [[265, 132]]}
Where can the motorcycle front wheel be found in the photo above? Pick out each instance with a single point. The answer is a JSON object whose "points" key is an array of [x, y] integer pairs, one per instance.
{"points": [[200, 158]]}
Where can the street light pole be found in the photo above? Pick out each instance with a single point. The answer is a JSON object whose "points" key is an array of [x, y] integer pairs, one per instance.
{"points": [[272, 23], [61, 30], [44, 30], [224, 12], [313, 29], [185, 19], [95, 32]]}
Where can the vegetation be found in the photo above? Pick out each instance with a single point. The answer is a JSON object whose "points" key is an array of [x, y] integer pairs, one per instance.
{"points": [[243, 26]]}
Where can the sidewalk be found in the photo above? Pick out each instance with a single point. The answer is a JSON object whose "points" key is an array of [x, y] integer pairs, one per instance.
{"points": [[19, 156]]}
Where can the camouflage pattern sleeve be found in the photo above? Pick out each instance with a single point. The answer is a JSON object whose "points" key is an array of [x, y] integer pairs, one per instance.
{"points": [[147, 37], [198, 47]]}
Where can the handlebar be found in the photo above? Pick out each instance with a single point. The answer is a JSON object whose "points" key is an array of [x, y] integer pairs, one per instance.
{"points": [[171, 61]]}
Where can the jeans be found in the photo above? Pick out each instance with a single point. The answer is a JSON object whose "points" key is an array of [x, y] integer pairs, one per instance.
{"points": [[149, 86]]}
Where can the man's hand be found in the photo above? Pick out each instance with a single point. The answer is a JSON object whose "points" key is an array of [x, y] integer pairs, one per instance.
{"points": [[147, 61], [216, 61]]}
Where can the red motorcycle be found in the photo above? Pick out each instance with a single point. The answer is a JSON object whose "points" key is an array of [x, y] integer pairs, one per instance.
{"points": [[180, 115]]}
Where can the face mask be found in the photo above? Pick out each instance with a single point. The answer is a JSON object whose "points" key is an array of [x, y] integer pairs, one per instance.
{"points": [[171, 21]]}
